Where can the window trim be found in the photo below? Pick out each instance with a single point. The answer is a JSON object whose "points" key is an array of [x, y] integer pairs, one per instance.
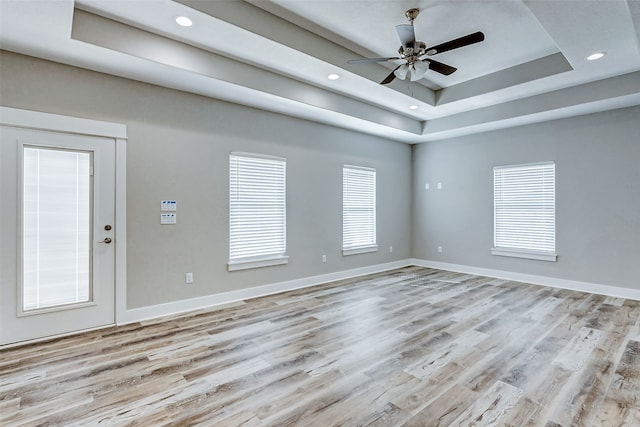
{"points": [[533, 254], [257, 262], [267, 260], [371, 246], [528, 254], [360, 250]]}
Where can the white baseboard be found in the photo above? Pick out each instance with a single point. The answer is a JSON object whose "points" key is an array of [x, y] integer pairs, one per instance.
{"points": [[592, 288], [209, 301]]}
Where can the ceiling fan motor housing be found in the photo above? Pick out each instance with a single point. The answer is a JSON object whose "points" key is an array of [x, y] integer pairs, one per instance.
{"points": [[418, 49]]}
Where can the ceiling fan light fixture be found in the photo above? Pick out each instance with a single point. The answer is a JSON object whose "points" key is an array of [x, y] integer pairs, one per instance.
{"points": [[402, 71], [418, 70]]}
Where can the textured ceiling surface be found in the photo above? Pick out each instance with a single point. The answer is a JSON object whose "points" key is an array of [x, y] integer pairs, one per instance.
{"points": [[277, 54]]}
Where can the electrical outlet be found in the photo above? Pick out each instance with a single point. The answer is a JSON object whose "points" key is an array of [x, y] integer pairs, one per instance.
{"points": [[390, 249], [188, 278], [324, 258], [439, 186], [426, 186], [439, 249]]}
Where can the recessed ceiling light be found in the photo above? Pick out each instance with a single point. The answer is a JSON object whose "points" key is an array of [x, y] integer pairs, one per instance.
{"points": [[333, 76], [184, 21], [413, 107], [595, 56]]}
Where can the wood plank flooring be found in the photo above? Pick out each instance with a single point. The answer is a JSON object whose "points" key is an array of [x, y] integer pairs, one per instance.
{"points": [[409, 347]]}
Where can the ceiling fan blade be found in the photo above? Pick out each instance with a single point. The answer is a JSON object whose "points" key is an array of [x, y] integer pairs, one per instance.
{"points": [[358, 61], [390, 77], [439, 67], [459, 42], [406, 34]]}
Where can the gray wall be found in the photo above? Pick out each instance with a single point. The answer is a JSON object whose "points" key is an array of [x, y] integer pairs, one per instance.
{"points": [[597, 196], [178, 149]]}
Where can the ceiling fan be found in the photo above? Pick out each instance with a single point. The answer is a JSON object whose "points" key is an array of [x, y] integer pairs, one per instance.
{"points": [[417, 55]]}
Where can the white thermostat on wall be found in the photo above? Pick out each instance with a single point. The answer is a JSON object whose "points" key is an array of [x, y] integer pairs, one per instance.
{"points": [[168, 218], [168, 206]]}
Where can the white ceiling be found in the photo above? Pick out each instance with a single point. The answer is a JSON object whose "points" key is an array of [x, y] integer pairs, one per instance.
{"points": [[276, 55]]}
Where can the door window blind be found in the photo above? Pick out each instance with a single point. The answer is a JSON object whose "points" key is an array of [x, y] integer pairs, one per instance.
{"points": [[524, 208], [56, 236], [257, 207], [358, 210]]}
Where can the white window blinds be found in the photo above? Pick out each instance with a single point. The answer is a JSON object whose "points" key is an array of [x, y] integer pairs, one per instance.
{"points": [[56, 237], [257, 211], [358, 210], [524, 211]]}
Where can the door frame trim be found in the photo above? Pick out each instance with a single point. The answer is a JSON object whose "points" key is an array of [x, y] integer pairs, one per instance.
{"points": [[118, 132]]}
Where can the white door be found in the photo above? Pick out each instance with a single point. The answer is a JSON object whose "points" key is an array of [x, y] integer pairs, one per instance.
{"points": [[57, 233]]}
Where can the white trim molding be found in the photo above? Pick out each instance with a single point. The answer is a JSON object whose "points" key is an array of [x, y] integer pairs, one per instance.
{"points": [[574, 285], [58, 123], [256, 263], [121, 228], [211, 301], [527, 254], [360, 250]]}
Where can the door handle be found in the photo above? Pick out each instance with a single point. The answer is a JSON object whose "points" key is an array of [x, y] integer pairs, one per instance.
{"points": [[106, 240]]}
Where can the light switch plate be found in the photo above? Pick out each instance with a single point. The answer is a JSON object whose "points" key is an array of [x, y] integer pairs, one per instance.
{"points": [[168, 206], [168, 218]]}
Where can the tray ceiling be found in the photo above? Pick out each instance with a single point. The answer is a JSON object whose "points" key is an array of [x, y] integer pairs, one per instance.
{"points": [[276, 55]]}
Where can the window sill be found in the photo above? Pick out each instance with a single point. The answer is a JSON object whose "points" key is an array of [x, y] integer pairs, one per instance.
{"points": [[518, 253], [360, 250], [257, 263]]}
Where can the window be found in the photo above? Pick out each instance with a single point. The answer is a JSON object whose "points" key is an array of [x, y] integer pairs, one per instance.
{"points": [[524, 211], [358, 210], [257, 211]]}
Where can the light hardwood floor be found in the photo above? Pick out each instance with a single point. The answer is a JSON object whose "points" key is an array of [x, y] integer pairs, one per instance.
{"points": [[410, 347]]}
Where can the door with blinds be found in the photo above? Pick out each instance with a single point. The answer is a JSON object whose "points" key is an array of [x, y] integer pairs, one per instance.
{"points": [[57, 217]]}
